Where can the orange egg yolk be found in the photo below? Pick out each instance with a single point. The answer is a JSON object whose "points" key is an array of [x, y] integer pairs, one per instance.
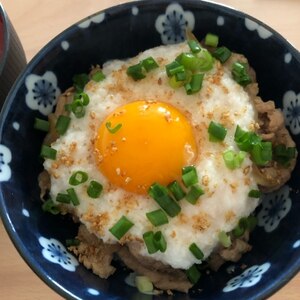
{"points": [[144, 142]]}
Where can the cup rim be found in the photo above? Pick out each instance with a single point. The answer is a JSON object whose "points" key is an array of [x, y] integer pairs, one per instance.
{"points": [[6, 37]]}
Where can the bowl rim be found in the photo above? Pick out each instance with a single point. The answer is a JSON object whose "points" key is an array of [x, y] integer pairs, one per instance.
{"points": [[6, 37], [7, 222]]}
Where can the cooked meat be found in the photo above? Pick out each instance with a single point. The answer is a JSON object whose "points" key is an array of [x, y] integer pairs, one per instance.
{"points": [[44, 184], [166, 279], [94, 254], [235, 251]]}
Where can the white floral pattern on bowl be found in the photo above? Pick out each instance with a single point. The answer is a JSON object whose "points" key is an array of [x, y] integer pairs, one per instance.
{"points": [[262, 31], [42, 92], [173, 24], [248, 278], [5, 159], [96, 19], [291, 111], [54, 251], [275, 206]]}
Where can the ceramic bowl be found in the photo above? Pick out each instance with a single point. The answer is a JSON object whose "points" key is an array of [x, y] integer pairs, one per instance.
{"points": [[120, 32], [12, 56]]}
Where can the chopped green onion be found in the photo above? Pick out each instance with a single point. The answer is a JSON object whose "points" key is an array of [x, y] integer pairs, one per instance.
{"points": [[176, 190], [50, 206], [83, 97], [78, 177], [42, 125], [193, 274], [79, 81], [246, 139], [161, 195], [252, 222], [216, 132], [224, 239], [114, 129], [173, 68], [232, 159], [174, 83], [159, 241], [261, 153], [72, 242], [78, 108], [73, 196], [240, 73], [194, 193], [200, 62], [149, 242], [98, 76], [181, 76], [143, 284], [48, 152], [211, 40], [222, 54], [196, 251], [157, 217], [149, 64], [194, 46], [94, 189], [238, 231], [121, 227], [283, 155], [254, 194], [136, 72], [62, 124], [206, 60], [189, 176], [63, 198], [195, 84]]}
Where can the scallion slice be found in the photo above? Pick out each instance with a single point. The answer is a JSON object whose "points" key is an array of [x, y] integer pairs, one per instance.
{"points": [[94, 189], [233, 160], [149, 64], [261, 153], [42, 125], [246, 139], [48, 152], [78, 108], [83, 97], [283, 155], [159, 241], [238, 231], [98, 76], [196, 251], [217, 132], [72, 242], [189, 176], [195, 84], [63, 198], [79, 81], [173, 68], [240, 73], [50, 206], [194, 193], [224, 239], [143, 284], [113, 130], [252, 222], [222, 54], [176, 190], [194, 46], [254, 194], [62, 124], [73, 196], [157, 217], [193, 274], [136, 72], [161, 195], [78, 177], [211, 40], [149, 242], [121, 227]]}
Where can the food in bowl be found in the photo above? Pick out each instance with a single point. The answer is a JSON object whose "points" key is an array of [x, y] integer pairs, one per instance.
{"points": [[162, 159]]}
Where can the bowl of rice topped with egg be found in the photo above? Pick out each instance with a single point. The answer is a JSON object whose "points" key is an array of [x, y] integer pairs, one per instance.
{"points": [[158, 161]]}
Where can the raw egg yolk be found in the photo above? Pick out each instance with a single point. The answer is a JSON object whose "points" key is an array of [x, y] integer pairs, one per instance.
{"points": [[144, 142]]}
